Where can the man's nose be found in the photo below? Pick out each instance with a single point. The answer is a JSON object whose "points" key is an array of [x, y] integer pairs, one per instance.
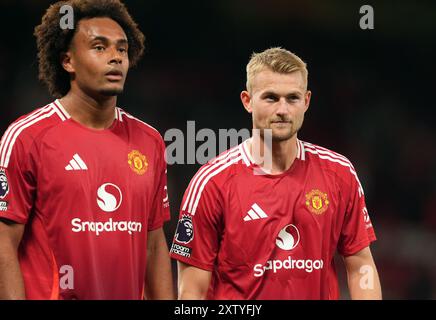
{"points": [[282, 106], [116, 57]]}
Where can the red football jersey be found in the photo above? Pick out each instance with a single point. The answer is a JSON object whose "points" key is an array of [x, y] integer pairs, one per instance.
{"points": [[272, 236], [87, 199]]}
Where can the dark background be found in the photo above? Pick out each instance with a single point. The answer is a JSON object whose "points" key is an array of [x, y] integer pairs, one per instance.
{"points": [[373, 98]]}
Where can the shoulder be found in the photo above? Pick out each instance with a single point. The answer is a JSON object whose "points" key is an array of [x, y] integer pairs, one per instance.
{"points": [[28, 128], [332, 161], [211, 177], [325, 156], [220, 167], [140, 126]]}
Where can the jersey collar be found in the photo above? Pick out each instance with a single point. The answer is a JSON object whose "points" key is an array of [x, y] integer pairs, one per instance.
{"points": [[249, 161], [64, 115]]}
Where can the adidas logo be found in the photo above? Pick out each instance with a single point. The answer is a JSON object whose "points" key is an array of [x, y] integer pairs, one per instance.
{"points": [[255, 213], [76, 164]]}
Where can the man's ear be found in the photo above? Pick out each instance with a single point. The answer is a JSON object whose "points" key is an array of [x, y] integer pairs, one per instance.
{"points": [[246, 101], [66, 62], [307, 97]]}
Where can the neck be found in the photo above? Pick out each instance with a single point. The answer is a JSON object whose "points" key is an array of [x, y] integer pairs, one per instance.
{"points": [[93, 113], [282, 153]]}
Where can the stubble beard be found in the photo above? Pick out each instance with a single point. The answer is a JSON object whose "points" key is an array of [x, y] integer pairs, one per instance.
{"points": [[280, 137]]}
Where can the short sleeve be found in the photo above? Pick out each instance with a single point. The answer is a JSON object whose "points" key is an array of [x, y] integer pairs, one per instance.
{"points": [[197, 237], [17, 179], [160, 209], [357, 231]]}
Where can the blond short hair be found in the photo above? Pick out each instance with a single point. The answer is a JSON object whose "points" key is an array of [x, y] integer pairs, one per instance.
{"points": [[276, 59]]}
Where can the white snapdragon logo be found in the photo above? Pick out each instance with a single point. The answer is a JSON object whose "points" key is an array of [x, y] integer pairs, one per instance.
{"points": [[288, 239], [109, 197]]}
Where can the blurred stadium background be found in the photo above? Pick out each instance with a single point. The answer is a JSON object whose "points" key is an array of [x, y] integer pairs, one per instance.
{"points": [[373, 98]]}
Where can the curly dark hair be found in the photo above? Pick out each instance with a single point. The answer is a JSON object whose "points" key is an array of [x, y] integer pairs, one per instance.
{"points": [[52, 40]]}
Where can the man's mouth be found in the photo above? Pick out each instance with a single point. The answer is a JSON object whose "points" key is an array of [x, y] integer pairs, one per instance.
{"points": [[114, 75], [281, 121]]}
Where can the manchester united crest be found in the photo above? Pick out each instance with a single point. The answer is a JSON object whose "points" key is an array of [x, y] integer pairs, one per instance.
{"points": [[138, 162], [317, 201]]}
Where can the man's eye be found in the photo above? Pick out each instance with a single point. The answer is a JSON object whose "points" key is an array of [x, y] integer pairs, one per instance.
{"points": [[270, 98], [123, 50], [99, 48]]}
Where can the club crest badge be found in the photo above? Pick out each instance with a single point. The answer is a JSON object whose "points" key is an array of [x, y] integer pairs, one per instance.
{"points": [[317, 201], [137, 162]]}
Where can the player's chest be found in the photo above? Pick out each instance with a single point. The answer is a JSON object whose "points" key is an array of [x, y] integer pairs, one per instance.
{"points": [[274, 217], [291, 200], [281, 211], [96, 165]]}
